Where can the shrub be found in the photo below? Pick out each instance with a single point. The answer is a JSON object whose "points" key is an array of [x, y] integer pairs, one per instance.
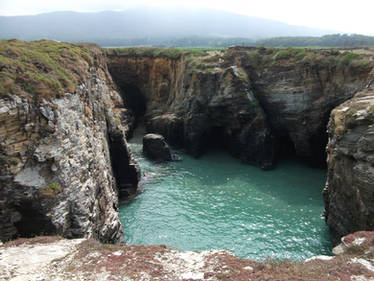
{"points": [[289, 53]]}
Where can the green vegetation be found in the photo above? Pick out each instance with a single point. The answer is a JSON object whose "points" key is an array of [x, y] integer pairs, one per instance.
{"points": [[55, 186], [290, 53], [41, 68], [355, 59], [327, 41], [50, 190], [172, 53], [332, 40]]}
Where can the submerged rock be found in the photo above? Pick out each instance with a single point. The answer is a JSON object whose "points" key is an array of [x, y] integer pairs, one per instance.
{"points": [[156, 148]]}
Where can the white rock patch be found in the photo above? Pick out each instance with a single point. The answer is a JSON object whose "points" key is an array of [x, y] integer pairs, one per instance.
{"points": [[361, 278], [368, 264], [358, 241], [187, 265], [28, 262], [321, 257]]}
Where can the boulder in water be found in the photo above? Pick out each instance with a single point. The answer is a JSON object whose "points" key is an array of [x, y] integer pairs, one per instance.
{"points": [[156, 148]]}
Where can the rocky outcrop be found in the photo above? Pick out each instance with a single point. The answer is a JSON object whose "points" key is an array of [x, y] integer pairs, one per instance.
{"points": [[255, 101], [64, 158], [349, 191], [155, 148]]}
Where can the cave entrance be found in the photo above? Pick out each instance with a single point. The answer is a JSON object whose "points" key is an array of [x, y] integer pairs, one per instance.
{"points": [[318, 149], [33, 222], [134, 99], [285, 148], [215, 139], [124, 172]]}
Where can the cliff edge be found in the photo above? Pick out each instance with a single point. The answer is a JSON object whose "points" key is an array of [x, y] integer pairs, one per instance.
{"points": [[349, 191], [63, 154]]}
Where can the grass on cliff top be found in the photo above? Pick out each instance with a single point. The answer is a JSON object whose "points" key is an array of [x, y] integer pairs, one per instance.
{"points": [[42, 68], [260, 58], [172, 53], [211, 59]]}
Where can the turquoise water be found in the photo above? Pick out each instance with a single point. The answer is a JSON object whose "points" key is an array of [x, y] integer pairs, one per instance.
{"points": [[216, 202]]}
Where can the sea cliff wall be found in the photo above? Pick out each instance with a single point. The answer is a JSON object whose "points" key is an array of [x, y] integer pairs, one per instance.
{"points": [[64, 159], [60, 166], [349, 191], [258, 101]]}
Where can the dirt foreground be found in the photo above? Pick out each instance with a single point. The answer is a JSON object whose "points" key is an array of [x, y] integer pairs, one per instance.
{"points": [[55, 258]]}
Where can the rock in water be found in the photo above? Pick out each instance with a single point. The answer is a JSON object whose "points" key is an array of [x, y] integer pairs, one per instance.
{"points": [[156, 148]]}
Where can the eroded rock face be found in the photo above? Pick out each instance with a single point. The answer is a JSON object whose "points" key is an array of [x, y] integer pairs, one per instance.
{"points": [[196, 110], [59, 171], [349, 191], [155, 148], [250, 100]]}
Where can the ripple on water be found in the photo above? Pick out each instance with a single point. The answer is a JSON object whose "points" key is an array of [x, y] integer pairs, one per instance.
{"points": [[218, 203]]}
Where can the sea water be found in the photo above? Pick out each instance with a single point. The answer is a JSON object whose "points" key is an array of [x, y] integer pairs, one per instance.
{"points": [[217, 202]]}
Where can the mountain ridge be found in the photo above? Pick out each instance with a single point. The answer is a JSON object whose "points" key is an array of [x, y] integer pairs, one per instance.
{"points": [[145, 23]]}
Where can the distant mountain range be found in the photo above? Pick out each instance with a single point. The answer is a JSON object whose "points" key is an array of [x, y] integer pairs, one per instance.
{"points": [[145, 25]]}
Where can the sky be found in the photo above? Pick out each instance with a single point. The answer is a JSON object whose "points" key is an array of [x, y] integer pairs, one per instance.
{"points": [[344, 16]]}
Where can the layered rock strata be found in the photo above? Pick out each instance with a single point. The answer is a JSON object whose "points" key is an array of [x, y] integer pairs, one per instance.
{"points": [[64, 159], [192, 108], [349, 191], [256, 102]]}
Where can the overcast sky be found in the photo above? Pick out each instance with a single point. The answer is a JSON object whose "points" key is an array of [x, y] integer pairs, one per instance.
{"points": [[342, 15]]}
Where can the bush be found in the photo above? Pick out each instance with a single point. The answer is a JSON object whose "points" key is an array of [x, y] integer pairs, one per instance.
{"points": [[289, 53]]}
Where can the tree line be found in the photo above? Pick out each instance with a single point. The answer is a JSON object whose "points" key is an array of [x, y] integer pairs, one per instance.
{"points": [[333, 40]]}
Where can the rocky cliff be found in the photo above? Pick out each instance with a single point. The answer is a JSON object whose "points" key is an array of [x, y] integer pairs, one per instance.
{"points": [[63, 154], [64, 159], [349, 192], [255, 102]]}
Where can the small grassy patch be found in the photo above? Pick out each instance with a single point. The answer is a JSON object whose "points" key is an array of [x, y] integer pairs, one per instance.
{"points": [[297, 53], [172, 53], [50, 190]]}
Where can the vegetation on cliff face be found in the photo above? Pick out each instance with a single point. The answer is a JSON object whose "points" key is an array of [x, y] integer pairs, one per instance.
{"points": [[42, 68]]}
